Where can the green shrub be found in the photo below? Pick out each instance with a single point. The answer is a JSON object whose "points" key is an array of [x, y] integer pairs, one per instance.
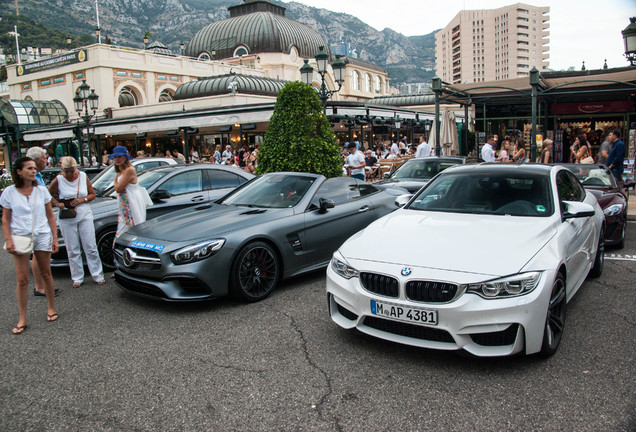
{"points": [[299, 137]]}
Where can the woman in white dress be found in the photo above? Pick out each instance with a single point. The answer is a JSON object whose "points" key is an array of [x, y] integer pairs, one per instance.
{"points": [[132, 200], [26, 211], [74, 190]]}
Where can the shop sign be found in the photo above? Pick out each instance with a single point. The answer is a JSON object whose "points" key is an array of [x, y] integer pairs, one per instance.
{"points": [[52, 62], [592, 107]]}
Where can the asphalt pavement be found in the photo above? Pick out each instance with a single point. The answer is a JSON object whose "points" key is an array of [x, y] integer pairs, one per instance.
{"points": [[120, 363]]}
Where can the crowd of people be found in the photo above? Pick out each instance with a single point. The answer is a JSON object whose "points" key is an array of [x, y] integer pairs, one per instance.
{"points": [[611, 152]]}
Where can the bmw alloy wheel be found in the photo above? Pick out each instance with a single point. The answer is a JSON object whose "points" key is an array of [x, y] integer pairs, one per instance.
{"points": [[555, 320]]}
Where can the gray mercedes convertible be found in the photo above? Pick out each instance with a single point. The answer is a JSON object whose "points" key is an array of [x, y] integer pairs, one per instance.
{"points": [[274, 227]]}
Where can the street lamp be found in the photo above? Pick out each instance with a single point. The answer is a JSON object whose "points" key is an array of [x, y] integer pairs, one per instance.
{"points": [[181, 47], [398, 124], [146, 39], [97, 33], [629, 38], [322, 60], [84, 99]]}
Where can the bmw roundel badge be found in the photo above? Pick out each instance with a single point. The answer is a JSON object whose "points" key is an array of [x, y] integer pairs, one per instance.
{"points": [[406, 271]]}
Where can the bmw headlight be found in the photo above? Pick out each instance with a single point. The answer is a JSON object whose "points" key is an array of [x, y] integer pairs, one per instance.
{"points": [[614, 209], [510, 286], [342, 267], [197, 252]]}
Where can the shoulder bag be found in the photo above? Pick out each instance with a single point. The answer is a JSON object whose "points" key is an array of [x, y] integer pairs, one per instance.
{"points": [[70, 212], [24, 244]]}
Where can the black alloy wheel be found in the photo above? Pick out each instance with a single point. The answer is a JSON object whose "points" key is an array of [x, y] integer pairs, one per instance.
{"points": [[105, 239], [255, 272], [599, 258], [555, 319]]}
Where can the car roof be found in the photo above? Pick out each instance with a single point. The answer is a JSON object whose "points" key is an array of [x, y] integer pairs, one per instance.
{"points": [[528, 168], [171, 161], [205, 166]]}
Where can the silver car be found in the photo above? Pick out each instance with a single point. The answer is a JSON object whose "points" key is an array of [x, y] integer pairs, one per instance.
{"points": [[171, 188], [277, 226]]}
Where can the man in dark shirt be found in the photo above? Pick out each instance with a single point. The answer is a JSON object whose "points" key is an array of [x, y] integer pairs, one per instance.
{"points": [[370, 160], [616, 156]]}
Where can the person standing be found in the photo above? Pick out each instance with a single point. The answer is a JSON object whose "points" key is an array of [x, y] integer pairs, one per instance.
{"points": [[487, 151], [27, 211], [546, 153], [604, 150], [519, 155], [423, 149], [132, 205], [217, 154], [504, 155], [74, 187], [616, 157], [227, 153], [356, 162], [38, 154]]}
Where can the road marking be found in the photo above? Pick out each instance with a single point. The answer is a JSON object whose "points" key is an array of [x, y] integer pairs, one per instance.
{"points": [[620, 257]]}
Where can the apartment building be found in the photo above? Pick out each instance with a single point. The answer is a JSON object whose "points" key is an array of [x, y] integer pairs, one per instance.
{"points": [[493, 44]]}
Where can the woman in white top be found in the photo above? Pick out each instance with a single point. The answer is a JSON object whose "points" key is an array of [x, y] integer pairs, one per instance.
{"points": [[27, 210], [75, 191], [132, 204]]}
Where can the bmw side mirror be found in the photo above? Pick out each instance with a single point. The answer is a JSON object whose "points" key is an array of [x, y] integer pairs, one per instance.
{"points": [[575, 209], [160, 194], [325, 204], [402, 200]]}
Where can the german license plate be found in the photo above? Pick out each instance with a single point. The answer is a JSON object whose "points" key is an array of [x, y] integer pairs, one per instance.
{"points": [[402, 313]]}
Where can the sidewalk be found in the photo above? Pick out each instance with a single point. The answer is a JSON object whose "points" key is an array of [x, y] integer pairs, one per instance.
{"points": [[631, 207]]}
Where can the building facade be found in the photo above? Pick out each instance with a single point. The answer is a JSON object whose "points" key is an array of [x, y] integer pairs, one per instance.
{"points": [[493, 44]]}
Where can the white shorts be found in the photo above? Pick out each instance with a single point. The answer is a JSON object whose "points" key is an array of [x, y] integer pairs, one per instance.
{"points": [[44, 242]]}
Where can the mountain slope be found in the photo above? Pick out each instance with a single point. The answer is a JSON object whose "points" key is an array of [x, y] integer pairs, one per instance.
{"points": [[407, 59]]}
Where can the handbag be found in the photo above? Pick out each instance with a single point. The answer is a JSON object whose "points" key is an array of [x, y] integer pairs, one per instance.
{"points": [[24, 245], [69, 212]]}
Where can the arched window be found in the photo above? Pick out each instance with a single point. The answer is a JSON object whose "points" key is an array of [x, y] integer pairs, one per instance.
{"points": [[204, 56], [355, 80], [166, 95], [367, 83], [127, 97], [241, 51], [377, 84]]}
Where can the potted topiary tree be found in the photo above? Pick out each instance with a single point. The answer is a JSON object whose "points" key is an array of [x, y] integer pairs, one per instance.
{"points": [[299, 137]]}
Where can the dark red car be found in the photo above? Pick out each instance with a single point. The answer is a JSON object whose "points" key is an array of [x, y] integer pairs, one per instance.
{"points": [[599, 180]]}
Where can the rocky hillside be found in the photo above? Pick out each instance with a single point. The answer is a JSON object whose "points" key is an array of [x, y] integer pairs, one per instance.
{"points": [[408, 59]]}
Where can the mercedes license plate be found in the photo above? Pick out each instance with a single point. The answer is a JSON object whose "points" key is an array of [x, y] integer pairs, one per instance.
{"points": [[402, 313]]}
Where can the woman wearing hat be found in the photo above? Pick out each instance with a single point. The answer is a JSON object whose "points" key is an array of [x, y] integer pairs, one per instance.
{"points": [[132, 202]]}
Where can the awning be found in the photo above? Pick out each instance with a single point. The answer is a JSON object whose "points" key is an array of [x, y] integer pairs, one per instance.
{"points": [[157, 125], [48, 135]]}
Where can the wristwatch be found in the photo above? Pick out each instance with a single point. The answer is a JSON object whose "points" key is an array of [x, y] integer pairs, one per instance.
{"points": [[85, 199]]}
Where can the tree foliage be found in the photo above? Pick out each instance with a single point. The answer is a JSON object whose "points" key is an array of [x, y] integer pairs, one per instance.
{"points": [[299, 137]]}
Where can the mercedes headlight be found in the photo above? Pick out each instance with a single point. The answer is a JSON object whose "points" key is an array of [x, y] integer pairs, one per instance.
{"points": [[342, 267], [510, 286], [197, 252], [614, 210]]}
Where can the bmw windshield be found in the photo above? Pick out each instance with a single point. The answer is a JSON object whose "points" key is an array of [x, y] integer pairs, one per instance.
{"points": [[271, 191], [514, 194]]}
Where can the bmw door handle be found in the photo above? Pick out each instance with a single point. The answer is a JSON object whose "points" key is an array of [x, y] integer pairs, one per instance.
{"points": [[197, 198], [364, 209]]}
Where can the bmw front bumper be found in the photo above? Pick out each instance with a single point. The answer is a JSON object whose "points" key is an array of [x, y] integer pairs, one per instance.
{"points": [[482, 327]]}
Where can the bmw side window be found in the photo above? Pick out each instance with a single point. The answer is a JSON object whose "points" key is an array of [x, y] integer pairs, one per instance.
{"points": [[187, 182], [365, 189], [579, 191], [566, 187]]}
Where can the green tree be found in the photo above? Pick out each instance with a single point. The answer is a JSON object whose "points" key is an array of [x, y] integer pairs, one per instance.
{"points": [[299, 137]]}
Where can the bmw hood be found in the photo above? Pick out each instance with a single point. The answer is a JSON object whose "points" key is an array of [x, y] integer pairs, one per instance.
{"points": [[493, 245], [199, 223]]}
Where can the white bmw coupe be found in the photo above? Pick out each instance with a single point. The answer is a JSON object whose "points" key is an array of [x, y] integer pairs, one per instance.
{"points": [[483, 259]]}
